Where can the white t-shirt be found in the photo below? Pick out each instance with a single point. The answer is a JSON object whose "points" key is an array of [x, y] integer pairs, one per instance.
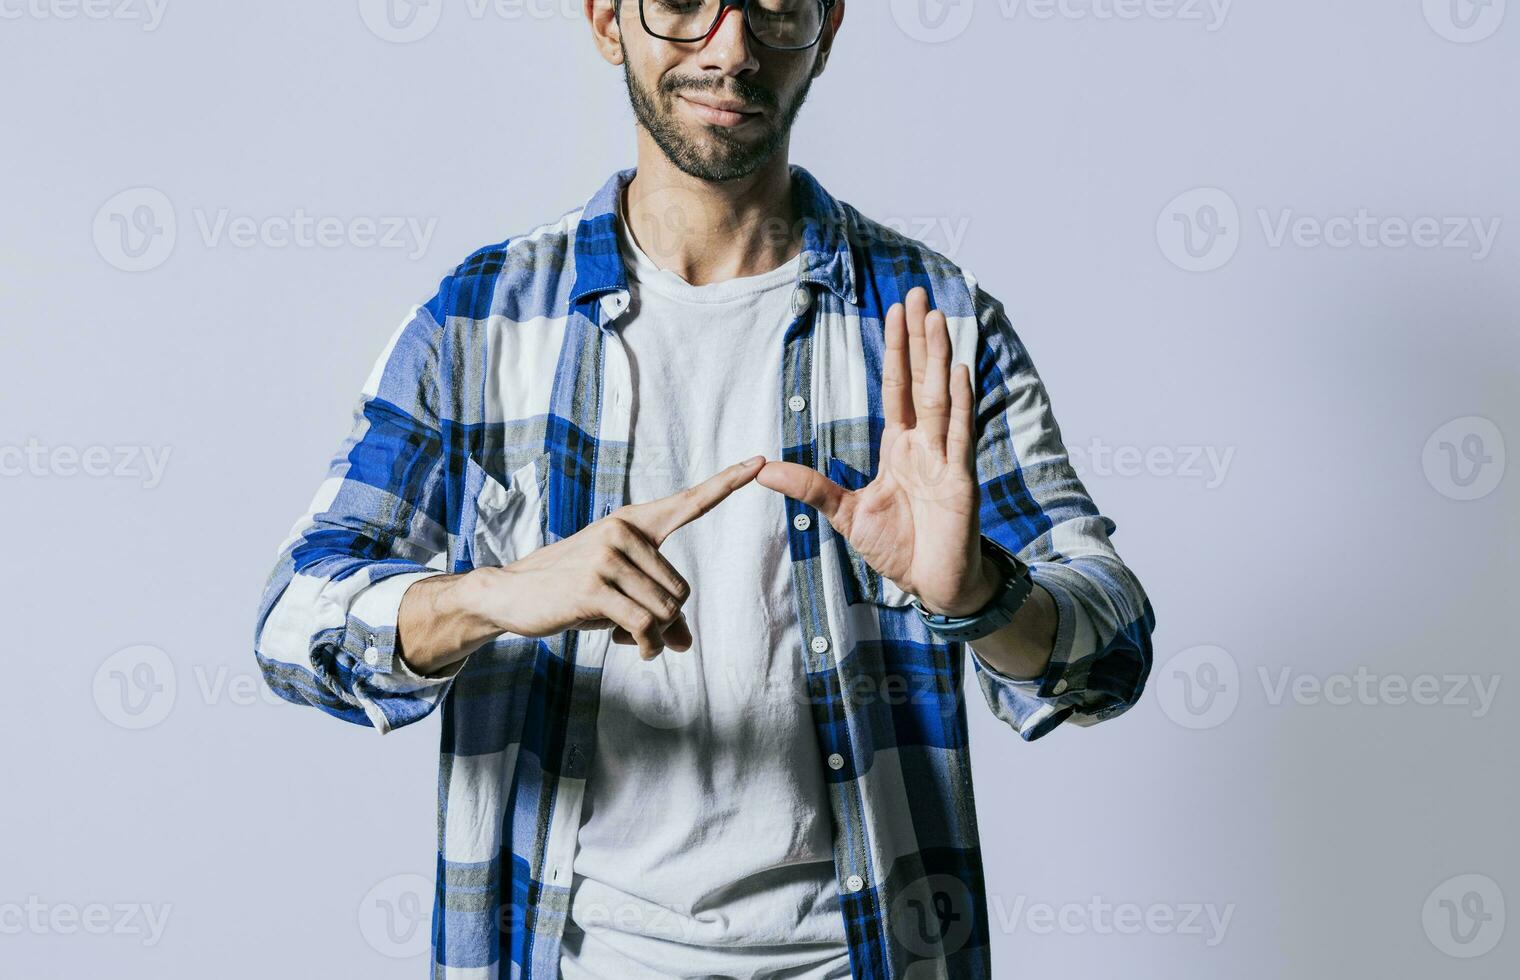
{"points": [[705, 846]]}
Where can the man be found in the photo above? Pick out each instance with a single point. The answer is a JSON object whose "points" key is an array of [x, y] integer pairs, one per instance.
{"points": [[778, 784]]}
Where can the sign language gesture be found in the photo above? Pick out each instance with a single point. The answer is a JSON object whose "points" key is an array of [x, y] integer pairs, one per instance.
{"points": [[917, 523], [611, 574]]}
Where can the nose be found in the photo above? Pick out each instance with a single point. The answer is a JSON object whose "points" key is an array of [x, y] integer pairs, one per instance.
{"points": [[727, 48]]}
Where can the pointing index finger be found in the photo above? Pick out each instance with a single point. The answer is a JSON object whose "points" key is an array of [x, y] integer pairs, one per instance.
{"points": [[662, 518]]}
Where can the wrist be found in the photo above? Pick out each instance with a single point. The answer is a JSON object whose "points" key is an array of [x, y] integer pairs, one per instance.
{"points": [[983, 585], [482, 602]]}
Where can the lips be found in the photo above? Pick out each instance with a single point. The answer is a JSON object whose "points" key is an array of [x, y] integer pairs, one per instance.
{"points": [[720, 112]]}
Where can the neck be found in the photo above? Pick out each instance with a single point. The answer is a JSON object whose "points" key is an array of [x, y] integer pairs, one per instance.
{"points": [[708, 231]]}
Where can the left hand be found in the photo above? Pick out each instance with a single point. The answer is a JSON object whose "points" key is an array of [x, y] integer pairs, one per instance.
{"points": [[918, 522]]}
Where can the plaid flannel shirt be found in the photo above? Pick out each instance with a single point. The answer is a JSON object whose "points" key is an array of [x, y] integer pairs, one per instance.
{"points": [[497, 420]]}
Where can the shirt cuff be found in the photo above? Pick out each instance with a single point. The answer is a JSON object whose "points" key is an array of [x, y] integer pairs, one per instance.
{"points": [[371, 638], [1036, 705]]}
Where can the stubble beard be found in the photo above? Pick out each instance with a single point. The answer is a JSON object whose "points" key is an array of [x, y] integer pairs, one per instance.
{"points": [[718, 155]]}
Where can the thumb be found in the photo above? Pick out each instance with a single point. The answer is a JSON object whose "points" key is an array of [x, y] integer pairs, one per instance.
{"points": [[811, 487]]}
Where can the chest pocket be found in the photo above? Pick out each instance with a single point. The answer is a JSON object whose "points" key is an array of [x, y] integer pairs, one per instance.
{"points": [[862, 583], [509, 517]]}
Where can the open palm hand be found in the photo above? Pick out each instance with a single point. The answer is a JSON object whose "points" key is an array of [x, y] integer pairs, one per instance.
{"points": [[917, 522]]}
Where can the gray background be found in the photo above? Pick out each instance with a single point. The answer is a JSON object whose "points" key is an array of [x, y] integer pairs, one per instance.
{"points": [[1044, 154]]}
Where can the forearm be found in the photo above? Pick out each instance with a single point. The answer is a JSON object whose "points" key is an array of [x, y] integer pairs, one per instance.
{"points": [[1021, 650], [442, 620]]}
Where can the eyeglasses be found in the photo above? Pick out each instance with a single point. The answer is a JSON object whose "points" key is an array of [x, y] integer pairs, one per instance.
{"points": [[786, 25]]}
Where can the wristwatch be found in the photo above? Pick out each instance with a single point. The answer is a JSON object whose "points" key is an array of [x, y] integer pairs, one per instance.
{"points": [[999, 610]]}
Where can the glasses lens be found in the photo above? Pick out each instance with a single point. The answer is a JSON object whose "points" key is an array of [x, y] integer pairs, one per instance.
{"points": [[680, 20], [777, 23], [786, 23]]}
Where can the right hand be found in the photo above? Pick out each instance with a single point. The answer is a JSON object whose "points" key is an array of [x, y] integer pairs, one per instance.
{"points": [[611, 575]]}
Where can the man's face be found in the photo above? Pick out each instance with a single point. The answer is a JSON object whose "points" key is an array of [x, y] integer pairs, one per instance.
{"points": [[719, 108]]}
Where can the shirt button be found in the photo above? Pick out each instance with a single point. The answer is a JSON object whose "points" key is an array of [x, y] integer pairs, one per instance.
{"points": [[802, 522], [372, 656], [801, 300], [854, 883], [796, 403], [819, 644], [1061, 686], [836, 762]]}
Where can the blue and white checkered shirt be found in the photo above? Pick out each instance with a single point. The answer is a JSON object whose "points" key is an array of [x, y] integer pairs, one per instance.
{"points": [[497, 420]]}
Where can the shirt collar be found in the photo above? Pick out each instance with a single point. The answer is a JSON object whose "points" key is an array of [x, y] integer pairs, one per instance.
{"points": [[826, 257]]}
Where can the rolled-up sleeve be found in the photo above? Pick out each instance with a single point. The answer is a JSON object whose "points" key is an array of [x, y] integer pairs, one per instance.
{"points": [[1034, 504], [326, 628]]}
